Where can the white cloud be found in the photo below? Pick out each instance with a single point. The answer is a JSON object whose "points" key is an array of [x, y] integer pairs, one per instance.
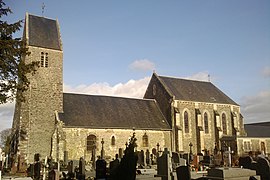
{"points": [[200, 76], [6, 115], [132, 88], [256, 108], [266, 71], [142, 65]]}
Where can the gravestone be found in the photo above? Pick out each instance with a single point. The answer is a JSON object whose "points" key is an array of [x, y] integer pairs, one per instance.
{"points": [[164, 169], [147, 157], [70, 169], [141, 159], [183, 173], [120, 153], [81, 169], [100, 169], [65, 157], [182, 162], [231, 173], [245, 162], [113, 166], [37, 168], [53, 175], [263, 168], [186, 157]]}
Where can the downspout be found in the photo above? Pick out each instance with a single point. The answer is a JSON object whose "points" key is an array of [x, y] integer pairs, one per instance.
{"points": [[173, 124]]}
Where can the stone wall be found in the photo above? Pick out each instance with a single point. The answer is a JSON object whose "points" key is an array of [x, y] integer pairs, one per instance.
{"points": [[197, 136], [76, 141], [253, 144]]}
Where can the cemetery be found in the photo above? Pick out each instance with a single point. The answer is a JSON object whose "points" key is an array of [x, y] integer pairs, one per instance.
{"points": [[134, 164]]}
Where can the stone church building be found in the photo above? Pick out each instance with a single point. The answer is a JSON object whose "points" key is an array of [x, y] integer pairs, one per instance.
{"points": [[178, 114]]}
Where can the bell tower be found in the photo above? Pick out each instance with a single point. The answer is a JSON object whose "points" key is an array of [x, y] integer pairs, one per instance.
{"points": [[34, 119]]}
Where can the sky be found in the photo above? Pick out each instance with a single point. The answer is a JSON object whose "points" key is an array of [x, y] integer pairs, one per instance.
{"points": [[113, 47]]}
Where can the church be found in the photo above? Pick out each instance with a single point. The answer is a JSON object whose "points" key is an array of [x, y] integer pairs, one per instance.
{"points": [[179, 114]]}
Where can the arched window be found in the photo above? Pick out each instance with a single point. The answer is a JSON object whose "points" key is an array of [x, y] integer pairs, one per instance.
{"points": [[224, 124], [145, 140], [186, 122], [113, 141], [91, 142], [206, 127]]}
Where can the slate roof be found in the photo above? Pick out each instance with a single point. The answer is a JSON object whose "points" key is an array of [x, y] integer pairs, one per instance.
{"points": [[111, 112], [258, 129], [43, 32], [199, 91]]}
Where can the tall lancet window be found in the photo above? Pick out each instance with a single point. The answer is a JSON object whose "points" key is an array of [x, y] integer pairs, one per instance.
{"points": [[206, 127], [224, 124], [186, 123], [46, 60], [42, 59]]}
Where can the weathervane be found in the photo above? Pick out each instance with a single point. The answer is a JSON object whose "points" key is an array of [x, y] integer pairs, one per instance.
{"points": [[43, 7]]}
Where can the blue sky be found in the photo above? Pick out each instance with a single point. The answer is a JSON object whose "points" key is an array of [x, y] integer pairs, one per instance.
{"points": [[112, 47]]}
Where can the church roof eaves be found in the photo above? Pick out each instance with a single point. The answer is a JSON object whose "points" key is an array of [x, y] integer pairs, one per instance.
{"points": [[95, 111]]}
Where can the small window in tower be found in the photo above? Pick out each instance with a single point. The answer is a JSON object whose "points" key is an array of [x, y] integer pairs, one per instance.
{"points": [[145, 140], [46, 60], [42, 59]]}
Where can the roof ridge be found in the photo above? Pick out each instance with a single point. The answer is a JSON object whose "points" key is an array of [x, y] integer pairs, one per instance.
{"points": [[186, 79], [41, 16], [109, 96]]}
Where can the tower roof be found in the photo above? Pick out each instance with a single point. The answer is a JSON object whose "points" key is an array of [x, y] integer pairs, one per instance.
{"points": [[42, 32]]}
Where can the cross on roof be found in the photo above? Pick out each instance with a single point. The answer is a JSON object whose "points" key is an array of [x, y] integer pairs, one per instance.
{"points": [[43, 7]]}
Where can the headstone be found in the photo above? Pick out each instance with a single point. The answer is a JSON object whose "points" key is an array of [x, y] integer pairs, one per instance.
{"points": [[186, 157], [120, 153], [113, 166], [263, 168], [245, 162], [182, 162], [53, 175], [164, 169], [36, 157], [183, 173], [37, 168], [141, 159], [147, 157], [30, 170], [81, 169], [230, 173], [70, 168], [100, 169], [65, 157]]}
